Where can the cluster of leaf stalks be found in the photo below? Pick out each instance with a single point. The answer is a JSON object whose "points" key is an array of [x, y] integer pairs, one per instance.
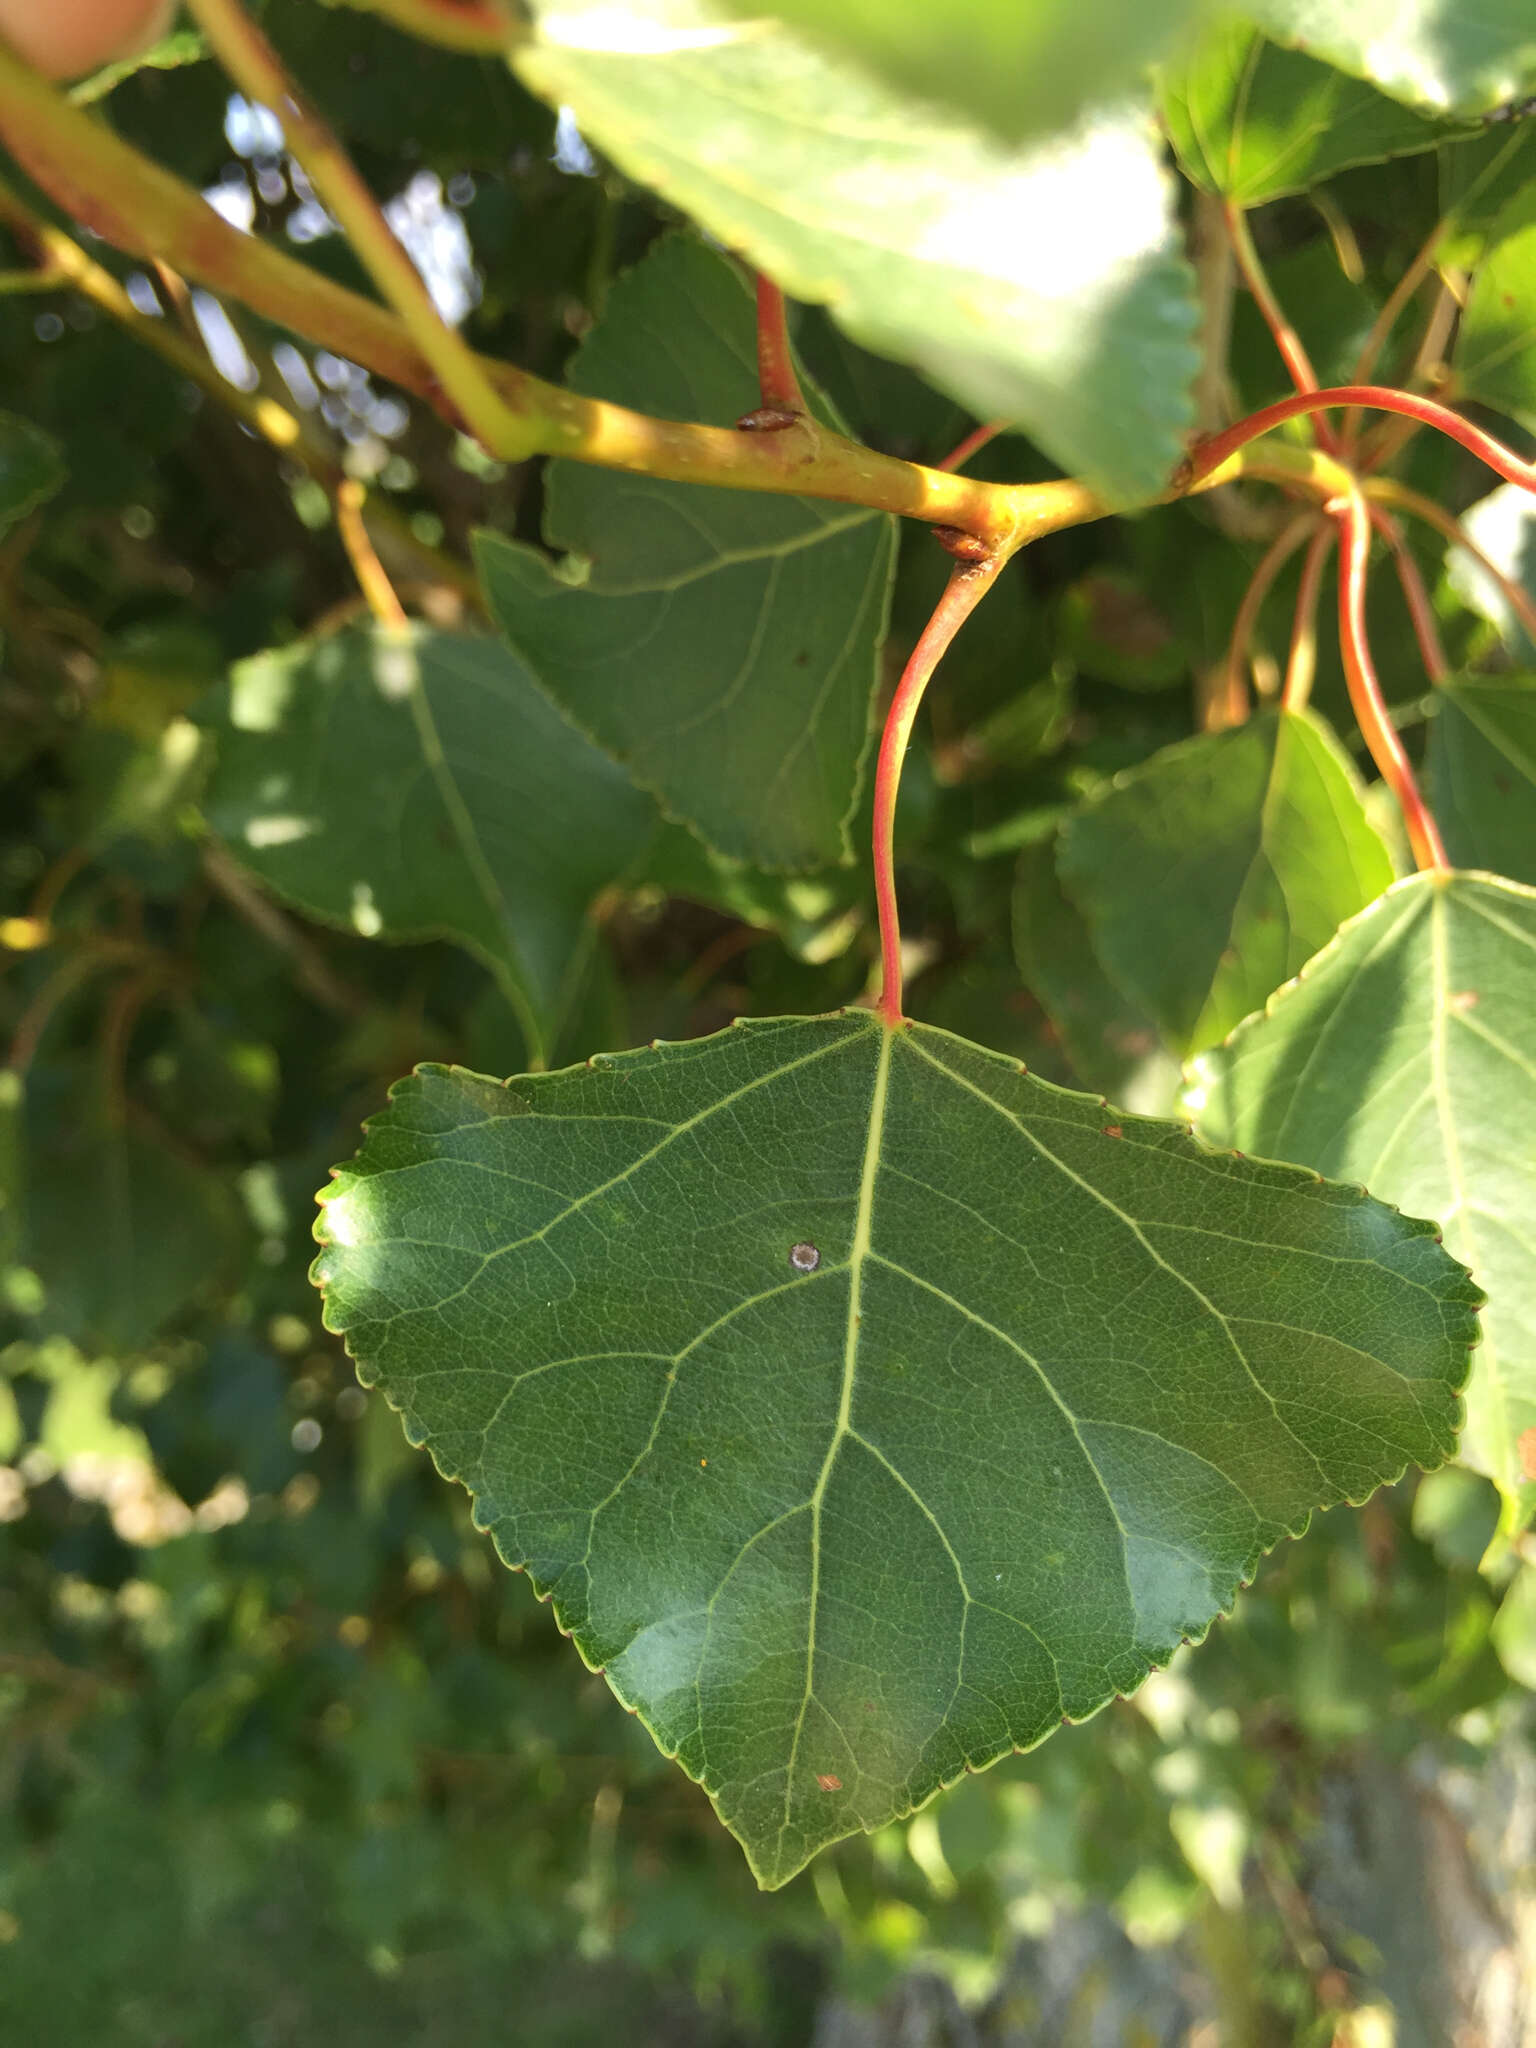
{"points": [[1346, 501]]}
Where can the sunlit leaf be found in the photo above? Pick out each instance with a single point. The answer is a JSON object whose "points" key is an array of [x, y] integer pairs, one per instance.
{"points": [[1021, 70], [1210, 873], [1405, 1057], [1496, 351], [865, 1405], [1253, 121], [1041, 285], [424, 788], [1442, 55]]}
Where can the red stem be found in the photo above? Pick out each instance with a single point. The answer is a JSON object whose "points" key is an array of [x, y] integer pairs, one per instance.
{"points": [[1293, 352], [968, 583], [1416, 597], [1274, 559], [1407, 500], [978, 437], [775, 364], [1354, 523], [1301, 662], [1212, 452]]}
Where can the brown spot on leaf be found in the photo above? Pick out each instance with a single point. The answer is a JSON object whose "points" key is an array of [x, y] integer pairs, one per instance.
{"points": [[828, 1783], [1114, 1130], [1525, 1447], [1463, 1000], [805, 1258]]}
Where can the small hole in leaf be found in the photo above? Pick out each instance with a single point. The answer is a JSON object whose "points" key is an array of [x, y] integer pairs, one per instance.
{"points": [[805, 1258]]}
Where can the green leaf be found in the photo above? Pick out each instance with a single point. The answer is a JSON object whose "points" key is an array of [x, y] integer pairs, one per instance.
{"points": [[1482, 767], [31, 468], [1442, 55], [1254, 122], [1212, 871], [1113, 1045], [1478, 179], [1021, 71], [865, 1405], [721, 644], [1044, 286], [1496, 350], [424, 788], [1405, 1057], [121, 1230]]}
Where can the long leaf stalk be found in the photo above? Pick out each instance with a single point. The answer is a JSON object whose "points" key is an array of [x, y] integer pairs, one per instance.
{"points": [[1420, 611], [1292, 350], [968, 584], [1353, 516], [1280, 550], [1301, 659]]}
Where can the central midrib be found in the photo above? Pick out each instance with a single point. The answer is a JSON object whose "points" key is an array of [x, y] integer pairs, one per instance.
{"points": [[857, 1258]]}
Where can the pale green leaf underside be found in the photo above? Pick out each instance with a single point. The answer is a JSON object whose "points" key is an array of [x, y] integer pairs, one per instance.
{"points": [[1405, 1057], [1253, 121], [425, 788], [1447, 56], [722, 645], [1022, 70], [1210, 873], [1482, 767], [1044, 286], [1056, 1381], [1496, 348]]}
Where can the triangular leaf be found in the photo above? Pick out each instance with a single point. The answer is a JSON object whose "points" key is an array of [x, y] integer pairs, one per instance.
{"points": [[1405, 1057], [1044, 286], [865, 1405], [721, 644], [1482, 767], [1253, 121], [1212, 871], [424, 788], [1442, 55]]}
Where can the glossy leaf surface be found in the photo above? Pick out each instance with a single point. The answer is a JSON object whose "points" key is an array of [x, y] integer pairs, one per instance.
{"points": [[865, 1405], [1210, 873], [1254, 122], [1038, 285], [1442, 55], [1022, 71], [721, 644], [1482, 764], [1405, 1057], [425, 788]]}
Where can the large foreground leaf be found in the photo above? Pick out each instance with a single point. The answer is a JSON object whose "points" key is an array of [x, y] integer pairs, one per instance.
{"points": [[1020, 70], [425, 788], [1405, 1057], [1482, 764], [1447, 56], [1212, 871], [721, 644], [1041, 285], [1253, 121], [866, 1405]]}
